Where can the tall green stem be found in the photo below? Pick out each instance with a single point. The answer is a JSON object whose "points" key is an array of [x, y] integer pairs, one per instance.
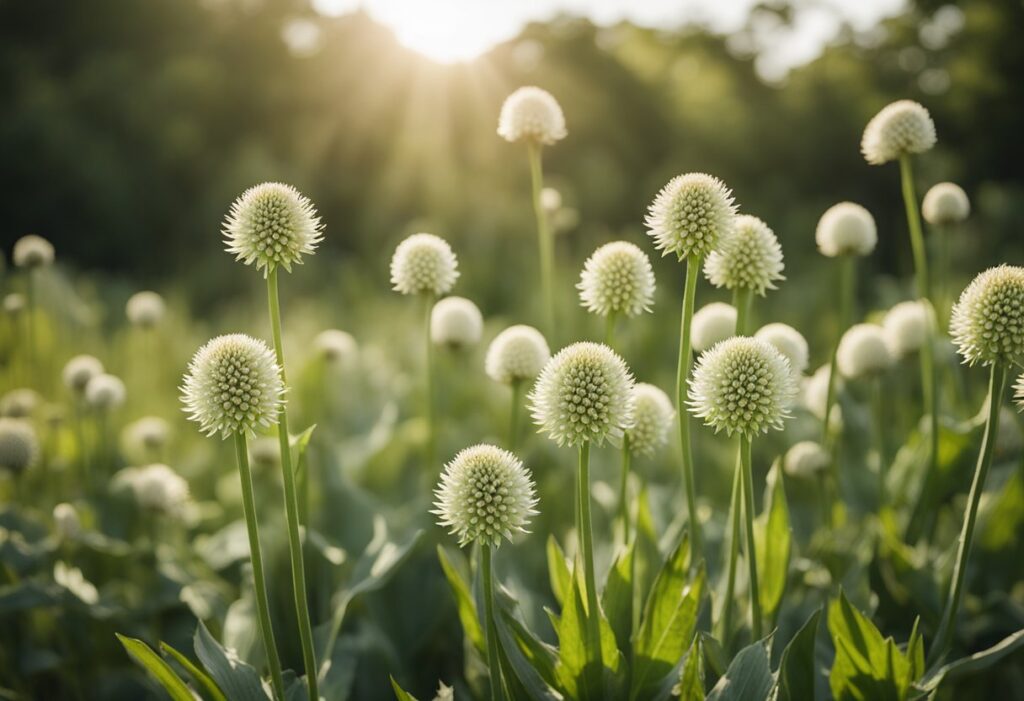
{"points": [[586, 534], [944, 636], [493, 664], [32, 359], [258, 575], [609, 329], [291, 504], [544, 240], [735, 516], [513, 428], [428, 384], [624, 490], [682, 387], [847, 295], [748, 518], [741, 299], [878, 411]]}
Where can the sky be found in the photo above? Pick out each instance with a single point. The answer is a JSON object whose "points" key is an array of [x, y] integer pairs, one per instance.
{"points": [[450, 31]]}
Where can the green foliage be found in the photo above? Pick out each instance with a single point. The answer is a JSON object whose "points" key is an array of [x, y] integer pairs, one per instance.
{"points": [[773, 543], [151, 662], [749, 676], [797, 667]]}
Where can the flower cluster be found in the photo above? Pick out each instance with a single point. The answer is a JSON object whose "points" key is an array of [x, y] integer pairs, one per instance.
{"points": [[845, 229], [652, 419], [456, 322], [145, 309], [945, 203], [863, 351], [749, 258], [19, 447], [712, 323], [788, 341]]}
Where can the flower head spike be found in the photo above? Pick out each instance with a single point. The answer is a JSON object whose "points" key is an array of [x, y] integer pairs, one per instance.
{"points": [[233, 385], [806, 459], [584, 393], [32, 252], [750, 258], [485, 494], [145, 309], [617, 279], [788, 341], [516, 354], [945, 203], [863, 351], [533, 114], [906, 327], [712, 323], [1018, 393], [19, 446], [336, 347], [272, 224], [78, 371], [456, 322], [105, 392], [691, 215], [424, 264], [846, 229], [987, 324], [900, 128], [652, 419], [742, 385]]}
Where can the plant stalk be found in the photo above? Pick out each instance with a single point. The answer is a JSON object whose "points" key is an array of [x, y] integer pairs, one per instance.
{"points": [[735, 516], [748, 517], [682, 387], [624, 490], [586, 535], [544, 240], [513, 429], [490, 628], [428, 383]]}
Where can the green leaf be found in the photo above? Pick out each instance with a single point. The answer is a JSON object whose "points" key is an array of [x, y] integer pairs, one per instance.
{"points": [[577, 671], [201, 677], [645, 551], [772, 538], [463, 601], [748, 678], [796, 669], [866, 666], [529, 660], [978, 662], [714, 655], [400, 693], [617, 598], [558, 570], [236, 679], [146, 658], [691, 677]]}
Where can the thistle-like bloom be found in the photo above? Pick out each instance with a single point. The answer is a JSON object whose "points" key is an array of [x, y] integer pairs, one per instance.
{"points": [[78, 371], [159, 488], [617, 279], [712, 323], [145, 437], [19, 446], [987, 324], [584, 393], [691, 215], [806, 459], [863, 351], [32, 252], [750, 258], [272, 224], [145, 309], [456, 322], [1018, 393], [336, 347], [531, 114], [233, 385], [516, 354], [846, 229], [424, 264], [105, 392], [66, 521], [19, 403], [902, 127], [788, 341], [485, 494], [906, 327], [742, 385], [653, 416], [945, 203]]}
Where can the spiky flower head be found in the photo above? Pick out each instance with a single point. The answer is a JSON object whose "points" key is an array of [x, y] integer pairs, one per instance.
{"points": [[145, 309], [652, 419], [233, 385], [78, 371], [945, 203], [987, 323], [617, 279], [584, 393], [846, 229], [32, 251], [456, 322], [1018, 393], [742, 385], [424, 264], [336, 347], [900, 128], [485, 494], [19, 446], [531, 114], [105, 392], [712, 323], [516, 354], [14, 303], [144, 438], [272, 224], [749, 258], [691, 215], [19, 403], [66, 521], [159, 488], [863, 352], [788, 341], [906, 327], [806, 459]]}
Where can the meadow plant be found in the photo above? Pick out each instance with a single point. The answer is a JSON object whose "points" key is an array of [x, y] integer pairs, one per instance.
{"points": [[617, 280], [145, 309], [945, 205], [31, 254], [906, 327], [516, 356], [66, 521], [337, 348], [456, 323]]}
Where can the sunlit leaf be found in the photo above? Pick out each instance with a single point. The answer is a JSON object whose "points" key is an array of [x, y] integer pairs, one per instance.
{"points": [[797, 667], [691, 678], [464, 601], [146, 658], [236, 679], [201, 678], [773, 537], [749, 676], [558, 570]]}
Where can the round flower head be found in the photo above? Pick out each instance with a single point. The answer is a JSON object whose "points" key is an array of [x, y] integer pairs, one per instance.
{"points": [[863, 351], [584, 393], [902, 127], [161, 489], [336, 347], [105, 392], [19, 446], [712, 323], [32, 252], [742, 385], [485, 494], [424, 264], [516, 354], [788, 341], [79, 370], [987, 323], [691, 215], [617, 279], [1018, 393], [750, 258], [652, 419], [531, 114], [66, 521], [19, 403], [945, 203], [846, 229], [814, 392], [550, 200], [14, 304], [265, 453], [806, 459], [145, 437], [456, 322], [906, 327], [233, 385], [145, 309], [272, 224]]}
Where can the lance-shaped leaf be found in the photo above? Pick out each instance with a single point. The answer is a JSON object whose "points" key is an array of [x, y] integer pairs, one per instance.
{"points": [[972, 664], [617, 598], [558, 570], [580, 671], [157, 667], [772, 537], [796, 669], [236, 679], [691, 678], [463, 601], [866, 665], [749, 676]]}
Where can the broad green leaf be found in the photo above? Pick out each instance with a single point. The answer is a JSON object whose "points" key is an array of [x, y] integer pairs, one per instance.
{"points": [[617, 598], [772, 538], [647, 557], [201, 677], [796, 669], [463, 601], [236, 679], [578, 670], [748, 678], [714, 655], [146, 658], [691, 677], [400, 693], [866, 666], [558, 570], [978, 662], [529, 660]]}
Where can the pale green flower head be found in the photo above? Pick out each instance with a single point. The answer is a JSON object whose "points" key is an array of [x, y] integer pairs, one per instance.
{"points": [[1018, 393], [653, 416], [691, 215], [531, 114], [32, 251], [863, 352], [145, 309], [424, 264], [485, 494], [945, 203], [336, 347], [20, 403], [987, 324], [455, 322], [516, 354], [788, 341], [906, 327], [617, 279], [749, 258], [78, 371], [144, 438], [900, 128], [105, 392], [66, 521], [160, 489], [270, 225], [806, 459], [19, 446], [712, 323], [846, 229]]}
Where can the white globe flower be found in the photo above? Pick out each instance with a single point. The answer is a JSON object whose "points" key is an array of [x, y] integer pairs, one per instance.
{"points": [[806, 459], [712, 323], [32, 251], [945, 203], [906, 327], [66, 521], [844, 229], [987, 323], [272, 224], [145, 309], [653, 416], [105, 392], [691, 215], [336, 347], [900, 128], [159, 488], [516, 354], [424, 264], [863, 352], [617, 279], [788, 341], [456, 322], [749, 258], [78, 371], [531, 114], [19, 446]]}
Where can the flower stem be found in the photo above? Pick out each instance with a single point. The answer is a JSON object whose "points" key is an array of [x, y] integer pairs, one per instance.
{"points": [[847, 294], [624, 490], [609, 329], [258, 575], [586, 534], [741, 298], [493, 664], [682, 385], [513, 429], [944, 636], [544, 240], [735, 515], [291, 504], [878, 411], [748, 514], [428, 384]]}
